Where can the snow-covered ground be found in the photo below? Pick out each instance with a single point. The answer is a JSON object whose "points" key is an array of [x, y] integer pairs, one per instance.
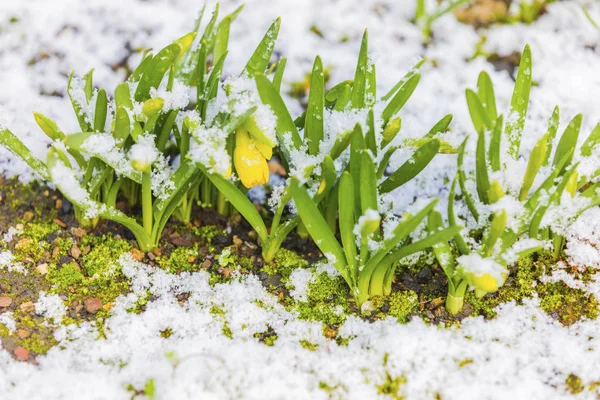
{"points": [[522, 353]]}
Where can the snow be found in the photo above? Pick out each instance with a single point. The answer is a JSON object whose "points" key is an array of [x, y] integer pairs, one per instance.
{"points": [[521, 353]]}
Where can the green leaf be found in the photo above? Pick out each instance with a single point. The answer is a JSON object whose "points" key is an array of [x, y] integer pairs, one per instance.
{"points": [[440, 127], [481, 171], [101, 111], [460, 242], [278, 76], [360, 75], [568, 141], [401, 97], [48, 126], [319, 230], [536, 159], [462, 181], [370, 139], [497, 227], [519, 103], [271, 97], [156, 70], [495, 142], [139, 70], [328, 178], [313, 128], [347, 221], [591, 142], [410, 74], [122, 125], [385, 160], [357, 145], [441, 250], [368, 183], [412, 167], [478, 114], [12, 143], [81, 118], [485, 90], [123, 96], [222, 38], [262, 55]]}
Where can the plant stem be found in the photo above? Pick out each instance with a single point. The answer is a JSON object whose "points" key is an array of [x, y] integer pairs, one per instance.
{"points": [[147, 201]]}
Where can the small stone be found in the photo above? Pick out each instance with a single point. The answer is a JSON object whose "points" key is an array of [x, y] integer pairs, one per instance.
{"points": [[42, 268], [137, 254], [23, 333], [59, 223], [27, 306], [19, 227], [21, 353], [157, 252], [28, 216], [92, 305], [151, 256], [58, 204], [252, 235], [191, 259], [5, 301], [206, 264], [75, 252]]}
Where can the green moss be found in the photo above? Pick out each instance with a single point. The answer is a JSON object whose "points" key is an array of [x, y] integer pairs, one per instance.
{"points": [[465, 362], [574, 384], [391, 386], [103, 255], [65, 276], [327, 300], [39, 343], [267, 337], [567, 304], [284, 263], [403, 304], [181, 259], [308, 345], [166, 333], [227, 330]]}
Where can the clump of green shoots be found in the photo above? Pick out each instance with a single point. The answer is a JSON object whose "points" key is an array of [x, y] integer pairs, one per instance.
{"points": [[338, 189], [512, 217]]}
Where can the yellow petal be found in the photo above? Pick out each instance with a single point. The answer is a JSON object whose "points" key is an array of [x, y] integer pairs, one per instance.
{"points": [[250, 164], [485, 282]]}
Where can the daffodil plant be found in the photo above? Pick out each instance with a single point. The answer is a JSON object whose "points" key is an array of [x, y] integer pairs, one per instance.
{"points": [[342, 193], [512, 215]]}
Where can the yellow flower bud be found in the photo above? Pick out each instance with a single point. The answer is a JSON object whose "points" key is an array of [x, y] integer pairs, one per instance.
{"points": [[250, 164]]}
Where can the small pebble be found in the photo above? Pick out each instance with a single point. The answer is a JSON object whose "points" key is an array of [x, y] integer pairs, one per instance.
{"points": [[21, 353], [5, 301], [92, 305], [42, 268]]}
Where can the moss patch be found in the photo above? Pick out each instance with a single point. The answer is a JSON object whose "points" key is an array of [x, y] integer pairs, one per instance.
{"points": [[566, 304]]}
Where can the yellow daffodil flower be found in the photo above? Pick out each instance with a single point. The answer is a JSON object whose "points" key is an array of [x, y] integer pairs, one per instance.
{"points": [[250, 159]]}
